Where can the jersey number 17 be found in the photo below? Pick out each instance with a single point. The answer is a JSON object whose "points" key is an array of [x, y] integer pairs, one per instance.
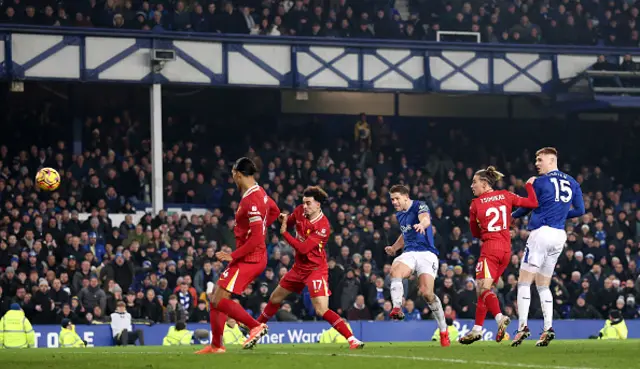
{"points": [[563, 189]]}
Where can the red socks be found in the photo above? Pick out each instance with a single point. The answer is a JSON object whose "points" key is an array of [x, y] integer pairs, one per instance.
{"points": [[337, 323], [491, 302], [270, 310], [481, 312], [216, 321], [236, 311]]}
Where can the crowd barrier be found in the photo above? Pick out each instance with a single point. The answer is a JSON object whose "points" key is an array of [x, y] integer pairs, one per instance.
{"points": [[309, 332]]}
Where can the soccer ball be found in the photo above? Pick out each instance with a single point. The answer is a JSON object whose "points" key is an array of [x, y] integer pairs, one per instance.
{"points": [[48, 179]]}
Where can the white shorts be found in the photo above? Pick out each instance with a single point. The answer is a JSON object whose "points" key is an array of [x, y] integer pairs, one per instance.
{"points": [[422, 262], [544, 247]]}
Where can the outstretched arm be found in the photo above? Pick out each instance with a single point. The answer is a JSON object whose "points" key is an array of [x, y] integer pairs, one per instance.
{"points": [[399, 244], [531, 201]]}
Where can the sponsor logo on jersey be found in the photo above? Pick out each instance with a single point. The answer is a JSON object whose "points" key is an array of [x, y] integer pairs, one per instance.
{"points": [[405, 229], [254, 208]]}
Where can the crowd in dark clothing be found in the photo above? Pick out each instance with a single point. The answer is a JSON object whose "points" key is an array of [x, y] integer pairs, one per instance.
{"points": [[57, 266], [557, 22]]}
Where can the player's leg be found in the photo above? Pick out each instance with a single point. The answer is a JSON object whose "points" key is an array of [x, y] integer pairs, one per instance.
{"points": [[321, 306], [216, 320], [402, 268], [529, 266], [275, 301], [427, 268], [319, 291], [483, 283], [234, 280], [543, 281]]}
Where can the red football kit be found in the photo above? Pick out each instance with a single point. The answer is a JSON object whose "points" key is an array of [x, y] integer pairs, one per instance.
{"points": [[489, 220], [255, 213], [310, 268]]}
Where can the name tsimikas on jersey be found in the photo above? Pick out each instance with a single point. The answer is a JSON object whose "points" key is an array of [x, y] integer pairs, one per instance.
{"points": [[492, 198]]}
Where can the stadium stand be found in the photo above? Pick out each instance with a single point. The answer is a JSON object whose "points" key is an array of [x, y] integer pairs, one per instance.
{"points": [[520, 22], [67, 254]]}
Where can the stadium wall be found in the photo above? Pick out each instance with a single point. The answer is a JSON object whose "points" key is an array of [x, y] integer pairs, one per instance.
{"points": [[94, 55], [100, 335]]}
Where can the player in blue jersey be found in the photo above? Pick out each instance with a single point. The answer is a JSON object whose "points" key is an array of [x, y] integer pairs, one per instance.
{"points": [[559, 199], [419, 255]]}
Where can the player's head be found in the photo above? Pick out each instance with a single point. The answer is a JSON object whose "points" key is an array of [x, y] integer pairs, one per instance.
{"points": [[546, 160], [243, 169], [400, 197], [312, 199], [485, 180]]}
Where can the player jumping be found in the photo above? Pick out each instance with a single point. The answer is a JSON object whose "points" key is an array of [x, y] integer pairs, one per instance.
{"points": [[419, 255], [255, 213], [556, 192], [310, 268], [489, 220]]}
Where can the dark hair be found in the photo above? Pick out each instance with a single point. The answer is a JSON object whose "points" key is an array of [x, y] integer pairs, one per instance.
{"points": [[180, 326], [401, 189], [547, 150], [316, 192], [245, 166], [490, 175]]}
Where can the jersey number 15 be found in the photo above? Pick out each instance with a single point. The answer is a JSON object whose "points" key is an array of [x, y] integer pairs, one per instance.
{"points": [[563, 190]]}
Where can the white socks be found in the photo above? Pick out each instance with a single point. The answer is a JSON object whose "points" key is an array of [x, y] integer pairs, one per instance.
{"points": [[397, 291], [498, 318], [546, 300], [524, 300], [438, 313]]}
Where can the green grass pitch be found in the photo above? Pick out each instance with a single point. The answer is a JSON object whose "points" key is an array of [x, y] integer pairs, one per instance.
{"points": [[486, 355]]}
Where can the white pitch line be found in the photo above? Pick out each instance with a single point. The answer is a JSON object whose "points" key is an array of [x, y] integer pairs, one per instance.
{"points": [[439, 359], [372, 356]]}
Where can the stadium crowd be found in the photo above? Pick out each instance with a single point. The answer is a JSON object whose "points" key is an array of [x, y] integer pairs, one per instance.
{"points": [[57, 266], [559, 22]]}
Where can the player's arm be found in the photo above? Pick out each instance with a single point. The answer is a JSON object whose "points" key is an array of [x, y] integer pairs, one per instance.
{"points": [[398, 245], [424, 218], [473, 221], [522, 211], [577, 203], [291, 218], [272, 211], [304, 247], [531, 201], [255, 238]]}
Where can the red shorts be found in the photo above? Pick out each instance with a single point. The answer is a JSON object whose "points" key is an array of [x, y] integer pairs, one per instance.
{"points": [[237, 276], [492, 263], [316, 280]]}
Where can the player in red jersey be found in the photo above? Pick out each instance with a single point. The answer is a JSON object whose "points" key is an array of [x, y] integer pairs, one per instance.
{"points": [[255, 213], [310, 268], [489, 219]]}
